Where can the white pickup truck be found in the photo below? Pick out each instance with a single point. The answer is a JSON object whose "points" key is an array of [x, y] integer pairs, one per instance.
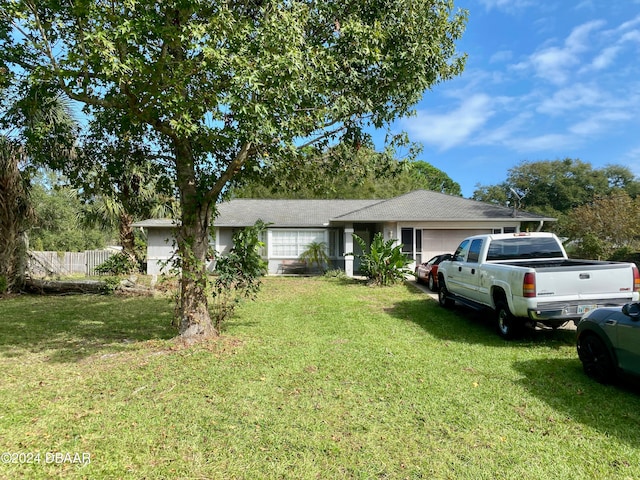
{"points": [[527, 278]]}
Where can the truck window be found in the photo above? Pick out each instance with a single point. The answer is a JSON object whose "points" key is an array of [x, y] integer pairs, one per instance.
{"points": [[474, 251], [461, 252], [522, 248]]}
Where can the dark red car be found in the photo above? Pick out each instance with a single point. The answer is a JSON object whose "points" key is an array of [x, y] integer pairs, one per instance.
{"points": [[427, 272]]}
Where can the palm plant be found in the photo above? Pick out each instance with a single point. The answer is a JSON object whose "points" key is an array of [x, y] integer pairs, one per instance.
{"points": [[316, 252], [37, 129], [385, 263]]}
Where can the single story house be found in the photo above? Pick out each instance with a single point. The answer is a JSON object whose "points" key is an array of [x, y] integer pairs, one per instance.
{"points": [[427, 223]]}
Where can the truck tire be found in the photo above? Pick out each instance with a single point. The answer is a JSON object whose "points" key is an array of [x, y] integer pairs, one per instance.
{"points": [[508, 326], [443, 295]]}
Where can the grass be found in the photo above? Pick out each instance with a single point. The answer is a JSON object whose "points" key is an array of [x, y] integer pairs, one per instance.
{"points": [[318, 379]]}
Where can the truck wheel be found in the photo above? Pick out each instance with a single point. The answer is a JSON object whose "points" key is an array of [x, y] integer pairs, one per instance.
{"points": [[506, 322], [431, 283], [595, 358], [443, 296]]}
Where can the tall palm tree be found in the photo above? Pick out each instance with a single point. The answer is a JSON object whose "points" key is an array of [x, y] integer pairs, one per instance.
{"points": [[37, 128], [16, 215]]}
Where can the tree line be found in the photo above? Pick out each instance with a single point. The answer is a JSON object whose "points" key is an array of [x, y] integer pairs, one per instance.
{"points": [[598, 209]]}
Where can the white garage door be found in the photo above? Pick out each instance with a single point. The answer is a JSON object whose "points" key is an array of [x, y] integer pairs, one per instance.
{"points": [[435, 242]]}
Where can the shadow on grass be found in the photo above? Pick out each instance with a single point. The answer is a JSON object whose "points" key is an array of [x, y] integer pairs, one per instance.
{"points": [[70, 328], [561, 383], [463, 324]]}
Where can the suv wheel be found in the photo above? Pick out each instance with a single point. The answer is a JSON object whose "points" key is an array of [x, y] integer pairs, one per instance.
{"points": [[595, 357]]}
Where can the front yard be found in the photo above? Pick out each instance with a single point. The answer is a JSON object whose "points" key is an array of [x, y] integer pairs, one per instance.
{"points": [[317, 379]]}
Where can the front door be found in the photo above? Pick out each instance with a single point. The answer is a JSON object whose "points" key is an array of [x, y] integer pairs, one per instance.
{"points": [[366, 236]]}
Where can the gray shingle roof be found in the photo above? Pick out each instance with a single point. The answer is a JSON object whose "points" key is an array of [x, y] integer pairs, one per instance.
{"points": [[285, 213], [416, 206], [425, 205]]}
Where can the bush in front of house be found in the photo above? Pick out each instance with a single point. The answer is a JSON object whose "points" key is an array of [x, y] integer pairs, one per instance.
{"points": [[237, 275], [384, 264]]}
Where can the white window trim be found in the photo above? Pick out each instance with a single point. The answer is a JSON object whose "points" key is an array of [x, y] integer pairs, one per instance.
{"points": [[271, 246]]}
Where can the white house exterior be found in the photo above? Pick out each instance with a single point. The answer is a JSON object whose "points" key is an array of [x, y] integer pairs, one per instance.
{"points": [[426, 223]]}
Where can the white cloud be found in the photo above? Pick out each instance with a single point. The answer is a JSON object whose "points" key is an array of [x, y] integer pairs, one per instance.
{"points": [[568, 99], [501, 56], [605, 59], [598, 123], [557, 64], [451, 129], [508, 5], [547, 142]]}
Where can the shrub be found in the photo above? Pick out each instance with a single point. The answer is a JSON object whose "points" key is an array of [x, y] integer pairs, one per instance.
{"points": [[238, 273], [385, 264], [316, 252], [335, 273], [118, 264]]}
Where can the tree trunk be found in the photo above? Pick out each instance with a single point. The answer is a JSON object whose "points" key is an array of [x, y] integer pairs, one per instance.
{"points": [[192, 312], [15, 217], [127, 237]]}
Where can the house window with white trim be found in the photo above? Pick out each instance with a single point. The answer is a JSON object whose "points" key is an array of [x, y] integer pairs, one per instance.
{"points": [[291, 243]]}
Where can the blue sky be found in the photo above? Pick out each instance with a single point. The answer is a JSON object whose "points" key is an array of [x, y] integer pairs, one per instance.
{"points": [[544, 80]]}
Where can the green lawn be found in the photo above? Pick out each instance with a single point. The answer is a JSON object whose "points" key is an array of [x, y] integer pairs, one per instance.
{"points": [[317, 379]]}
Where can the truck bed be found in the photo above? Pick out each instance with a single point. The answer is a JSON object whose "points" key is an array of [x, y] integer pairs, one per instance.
{"points": [[559, 263]]}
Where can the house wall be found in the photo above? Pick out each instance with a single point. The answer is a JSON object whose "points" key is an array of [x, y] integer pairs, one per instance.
{"points": [[443, 237], [435, 237], [223, 240], [160, 248]]}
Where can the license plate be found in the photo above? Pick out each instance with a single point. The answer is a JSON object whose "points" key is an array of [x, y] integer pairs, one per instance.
{"points": [[582, 309]]}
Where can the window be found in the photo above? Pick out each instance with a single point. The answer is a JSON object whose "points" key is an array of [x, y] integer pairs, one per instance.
{"points": [[406, 235], [474, 251], [291, 243], [461, 252]]}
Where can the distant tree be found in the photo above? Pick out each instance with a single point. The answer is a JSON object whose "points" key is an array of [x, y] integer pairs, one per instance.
{"points": [[58, 218], [605, 225], [118, 177], [368, 174], [554, 187]]}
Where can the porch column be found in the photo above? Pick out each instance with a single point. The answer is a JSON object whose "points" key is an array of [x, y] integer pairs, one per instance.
{"points": [[348, 248]]}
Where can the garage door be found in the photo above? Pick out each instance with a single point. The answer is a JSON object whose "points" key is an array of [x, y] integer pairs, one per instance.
{"points": [[435, 242]]}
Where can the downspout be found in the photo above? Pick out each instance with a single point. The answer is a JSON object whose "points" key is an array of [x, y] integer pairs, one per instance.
{"points": [[540, 224]]}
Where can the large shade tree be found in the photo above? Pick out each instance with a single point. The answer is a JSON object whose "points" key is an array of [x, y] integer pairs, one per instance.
{"points": [[229, 86]]}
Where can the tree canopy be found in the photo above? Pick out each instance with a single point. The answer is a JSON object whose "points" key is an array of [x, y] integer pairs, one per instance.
{"points": [[368, 174], [555, 187], [228, 87]]}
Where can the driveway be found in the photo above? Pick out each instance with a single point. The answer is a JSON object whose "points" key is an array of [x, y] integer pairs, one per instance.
{"points": [[434, 295]]}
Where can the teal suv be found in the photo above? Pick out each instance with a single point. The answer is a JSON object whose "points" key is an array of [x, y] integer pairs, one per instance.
{"points": [[609, 342]]}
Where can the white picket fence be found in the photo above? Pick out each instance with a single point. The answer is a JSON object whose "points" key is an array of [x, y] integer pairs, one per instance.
{"points": [[66, 263]]}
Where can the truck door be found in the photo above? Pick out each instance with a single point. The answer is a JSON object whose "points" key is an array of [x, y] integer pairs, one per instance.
{"points": [[454, 278], [471, 272]]}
